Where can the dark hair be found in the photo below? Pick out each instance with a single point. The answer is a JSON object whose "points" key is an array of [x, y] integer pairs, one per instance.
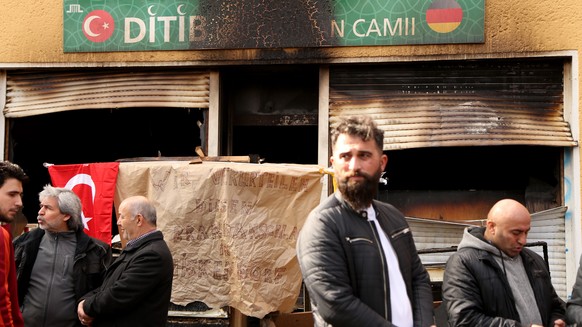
{"points": [[10, 170], [361, 126]]}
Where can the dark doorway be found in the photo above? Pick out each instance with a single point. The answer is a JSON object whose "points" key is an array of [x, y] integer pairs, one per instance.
{"points": [[271, 112], [462, 183], [103, 135]]}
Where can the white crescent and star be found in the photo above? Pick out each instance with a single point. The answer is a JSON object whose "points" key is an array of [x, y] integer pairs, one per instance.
{"points": [[86, 180], [87, 26]]}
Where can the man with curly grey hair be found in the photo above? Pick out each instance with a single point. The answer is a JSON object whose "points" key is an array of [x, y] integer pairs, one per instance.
{"points": [[57, 263]]}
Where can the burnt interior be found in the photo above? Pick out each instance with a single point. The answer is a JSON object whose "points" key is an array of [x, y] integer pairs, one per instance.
{"points": [[271, 111]]}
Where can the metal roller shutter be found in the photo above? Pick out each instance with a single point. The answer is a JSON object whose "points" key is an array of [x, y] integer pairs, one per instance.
{"points": [[460, 103], [31, 93], [550, 226]]}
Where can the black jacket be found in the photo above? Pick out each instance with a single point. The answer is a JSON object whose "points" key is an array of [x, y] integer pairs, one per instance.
{"points": [[137, 287], [344, 267], [574, 305], [91, 259], [476, 291]]}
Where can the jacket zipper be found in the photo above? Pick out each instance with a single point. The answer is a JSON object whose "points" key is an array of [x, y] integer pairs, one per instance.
{"points": [[52, 276], [352, 240], [404, 231], [382, 258]]}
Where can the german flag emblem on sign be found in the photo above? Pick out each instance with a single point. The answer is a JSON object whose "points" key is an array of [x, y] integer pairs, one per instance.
{"points": [[444, 16]]}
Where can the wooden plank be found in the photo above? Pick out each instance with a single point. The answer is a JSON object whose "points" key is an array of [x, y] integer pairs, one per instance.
{"points": [[237, 319]]}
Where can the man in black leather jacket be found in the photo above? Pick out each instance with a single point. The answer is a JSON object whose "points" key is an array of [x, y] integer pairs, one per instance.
{"points": [[492, 280], [357, 255]]}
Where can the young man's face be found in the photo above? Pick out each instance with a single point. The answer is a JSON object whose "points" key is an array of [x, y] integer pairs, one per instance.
{"points": [[10, 199], [357, 166]]}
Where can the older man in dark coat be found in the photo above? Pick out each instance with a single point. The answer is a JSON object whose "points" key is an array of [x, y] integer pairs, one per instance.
{"points": [[137, 287]]}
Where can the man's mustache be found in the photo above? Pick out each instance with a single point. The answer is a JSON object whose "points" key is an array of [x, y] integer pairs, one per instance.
{"points": [[357, 174]]}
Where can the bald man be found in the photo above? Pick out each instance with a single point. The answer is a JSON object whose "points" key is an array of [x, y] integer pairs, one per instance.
{"points": [[138, 284], [493, 280]]}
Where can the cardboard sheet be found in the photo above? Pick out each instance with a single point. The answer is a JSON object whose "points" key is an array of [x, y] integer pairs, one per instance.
{"points": [[231, 227]]}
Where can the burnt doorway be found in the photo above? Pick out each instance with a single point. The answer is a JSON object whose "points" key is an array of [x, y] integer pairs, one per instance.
{"points": [[99, 135], [271, 111], [462, 183]]}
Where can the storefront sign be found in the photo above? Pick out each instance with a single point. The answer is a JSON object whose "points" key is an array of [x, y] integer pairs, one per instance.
{"points": [[129, 25]]}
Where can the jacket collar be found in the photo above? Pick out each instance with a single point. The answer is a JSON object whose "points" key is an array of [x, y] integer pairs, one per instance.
{"points": [[155, 235]]}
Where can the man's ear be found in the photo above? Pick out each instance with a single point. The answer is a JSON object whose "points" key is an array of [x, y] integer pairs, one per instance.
{"points": [[491, 227]]}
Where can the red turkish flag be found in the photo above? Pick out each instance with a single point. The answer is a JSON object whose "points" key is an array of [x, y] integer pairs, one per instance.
{"points": [[94, 183]]}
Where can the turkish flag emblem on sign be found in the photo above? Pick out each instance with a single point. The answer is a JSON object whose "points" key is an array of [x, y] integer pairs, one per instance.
{"points": [[94, 183]]}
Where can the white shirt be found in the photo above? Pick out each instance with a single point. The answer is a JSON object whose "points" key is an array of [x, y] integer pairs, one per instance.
{"points": [[399, 301]]}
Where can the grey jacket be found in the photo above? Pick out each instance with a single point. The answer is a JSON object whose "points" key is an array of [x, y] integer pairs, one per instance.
{"points": [[344, 267], [90, 262], [574, 306]]}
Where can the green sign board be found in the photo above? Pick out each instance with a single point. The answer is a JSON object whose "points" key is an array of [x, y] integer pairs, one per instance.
{"points": [[146, 25]]}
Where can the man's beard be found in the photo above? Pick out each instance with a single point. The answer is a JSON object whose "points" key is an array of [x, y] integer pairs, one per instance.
{"points": [[360, 195]]}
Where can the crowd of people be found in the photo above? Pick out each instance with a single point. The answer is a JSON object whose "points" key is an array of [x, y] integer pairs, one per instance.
{"points": [[56, 275], [357, 256], [361, 268]]}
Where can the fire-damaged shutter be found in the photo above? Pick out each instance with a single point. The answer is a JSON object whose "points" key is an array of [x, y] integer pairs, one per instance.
{"points": [[460, 103], [549, 226], [31, 93]]}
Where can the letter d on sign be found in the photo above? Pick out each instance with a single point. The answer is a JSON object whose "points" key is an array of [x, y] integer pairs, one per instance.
{"points": [[127, 29]]}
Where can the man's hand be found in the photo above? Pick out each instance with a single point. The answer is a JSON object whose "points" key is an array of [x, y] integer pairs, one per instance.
{"points": [[85, 319], [557, 323]]}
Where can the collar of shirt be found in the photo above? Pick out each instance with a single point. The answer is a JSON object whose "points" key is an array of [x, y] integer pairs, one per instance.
{"points": [[131, 242], [369, 213]]}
